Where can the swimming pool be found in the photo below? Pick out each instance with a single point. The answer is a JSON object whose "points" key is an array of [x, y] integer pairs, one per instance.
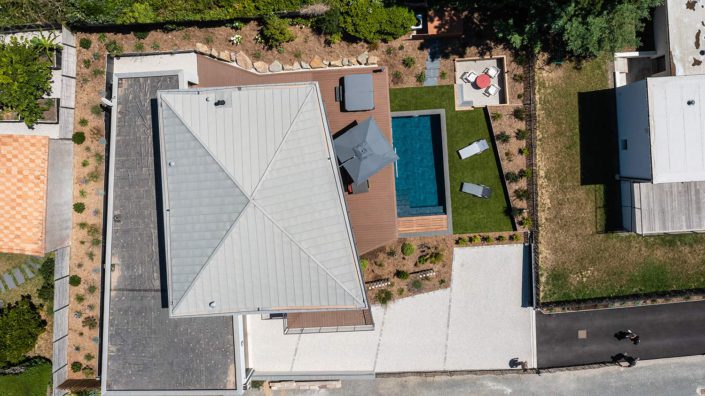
{"points": [[420, 178]]}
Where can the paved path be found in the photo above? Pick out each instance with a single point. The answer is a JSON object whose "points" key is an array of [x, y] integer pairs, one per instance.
{"points": [[672, 377], [433, 63], [666, 330]]}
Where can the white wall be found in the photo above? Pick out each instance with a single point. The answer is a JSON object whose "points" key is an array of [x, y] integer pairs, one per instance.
{"points": [[633, 127]]}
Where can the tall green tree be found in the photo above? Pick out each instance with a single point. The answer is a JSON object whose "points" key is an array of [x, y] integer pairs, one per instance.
{"points": [[20, 326]]}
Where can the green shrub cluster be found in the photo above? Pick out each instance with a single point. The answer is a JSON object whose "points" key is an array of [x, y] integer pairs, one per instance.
{"points": [[383, 296], [403, 275], [371, 21], [407, 249], [46, 290], [275, 31], [74, 280], [20, 326]]}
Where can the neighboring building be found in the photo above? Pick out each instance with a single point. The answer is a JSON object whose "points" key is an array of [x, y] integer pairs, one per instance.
{"points": [[660, 98]]}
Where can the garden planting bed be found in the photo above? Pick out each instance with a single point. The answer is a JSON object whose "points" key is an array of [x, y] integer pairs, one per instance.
{"points": [[511, 138]]}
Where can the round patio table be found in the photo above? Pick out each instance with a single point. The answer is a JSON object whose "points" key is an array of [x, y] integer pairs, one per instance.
{"points": [[483, 81]]}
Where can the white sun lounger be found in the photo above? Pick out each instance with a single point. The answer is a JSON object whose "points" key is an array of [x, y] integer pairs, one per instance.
{"points": [[492, 71], [475, 148], [491, 90], [477, 190]]}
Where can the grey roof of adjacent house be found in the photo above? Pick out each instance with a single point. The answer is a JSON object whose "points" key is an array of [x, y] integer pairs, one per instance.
{"points": [[255, 218], [665, 207]]}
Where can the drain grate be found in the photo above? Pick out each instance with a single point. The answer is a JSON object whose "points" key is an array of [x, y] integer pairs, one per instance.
{"points": [[582, 334]]}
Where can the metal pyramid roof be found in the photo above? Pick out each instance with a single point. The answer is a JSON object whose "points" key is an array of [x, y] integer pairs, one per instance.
{"points": [[265, 155]]}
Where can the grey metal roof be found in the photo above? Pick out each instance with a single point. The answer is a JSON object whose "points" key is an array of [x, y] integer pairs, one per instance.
{"points": [[256, 218], [359, 92]]}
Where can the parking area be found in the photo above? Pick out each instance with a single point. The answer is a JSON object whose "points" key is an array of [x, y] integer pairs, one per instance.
{"points": [[481, 323]]}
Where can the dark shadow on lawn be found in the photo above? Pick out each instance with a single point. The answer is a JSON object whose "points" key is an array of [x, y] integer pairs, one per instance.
{"points": [[599, 155]]}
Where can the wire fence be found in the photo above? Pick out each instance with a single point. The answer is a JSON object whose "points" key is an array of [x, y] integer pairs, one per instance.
{"points": [[531, 126]]}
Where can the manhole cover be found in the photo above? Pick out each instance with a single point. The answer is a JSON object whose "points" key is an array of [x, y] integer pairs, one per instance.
{"points": [[582, 334]]}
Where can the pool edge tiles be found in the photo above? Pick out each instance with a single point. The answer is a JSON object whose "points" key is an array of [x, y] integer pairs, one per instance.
{"points": [[445, 186]]}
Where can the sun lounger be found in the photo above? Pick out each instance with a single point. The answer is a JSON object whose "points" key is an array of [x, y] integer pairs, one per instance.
{"points": [[477, 190], [492, 71], [491, 90], [469, 77], [475, 148]]}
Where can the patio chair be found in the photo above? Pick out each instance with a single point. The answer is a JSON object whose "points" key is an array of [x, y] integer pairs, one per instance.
{"points": [[475, 147], [469, 77], [491, 90], [492, 71], [477, 190]]}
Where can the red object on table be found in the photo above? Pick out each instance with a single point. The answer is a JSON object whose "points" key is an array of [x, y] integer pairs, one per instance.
{"points": [[483, 81]]}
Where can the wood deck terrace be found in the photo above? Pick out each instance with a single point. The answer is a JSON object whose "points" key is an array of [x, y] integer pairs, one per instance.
{"points": [[373, 215], [408, 225], [307, 320]]}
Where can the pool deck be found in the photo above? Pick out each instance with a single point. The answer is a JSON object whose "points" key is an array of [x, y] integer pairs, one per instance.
{"points": [[372, 214], [429, 225]]}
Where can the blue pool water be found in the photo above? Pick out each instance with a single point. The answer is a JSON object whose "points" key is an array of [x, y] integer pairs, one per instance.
{"points": [[419, 170]]}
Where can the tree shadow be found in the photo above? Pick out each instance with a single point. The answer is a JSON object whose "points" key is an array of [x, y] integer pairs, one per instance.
{"points": [[599, 154]]}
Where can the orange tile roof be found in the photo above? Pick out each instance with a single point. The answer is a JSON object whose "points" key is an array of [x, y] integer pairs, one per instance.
{"points": [[23, 185]]}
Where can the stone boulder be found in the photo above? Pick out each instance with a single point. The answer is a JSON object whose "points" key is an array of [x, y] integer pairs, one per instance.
{"points": [[202, 48], [326, 62], [243, 60], [317, 63], [336, 63], [346, 62], [224, 56], [296, 66], [288, 67], [362, 58], [372, 60], [305, 65], [214, 52], [261, 67], [353, 62], [275, 66]]}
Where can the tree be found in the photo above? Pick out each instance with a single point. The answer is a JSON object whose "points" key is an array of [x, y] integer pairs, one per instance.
{"points": [[20, 326], [275, 31], [25, 77]]}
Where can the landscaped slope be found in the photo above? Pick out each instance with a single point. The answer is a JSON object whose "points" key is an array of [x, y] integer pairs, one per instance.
{"points": [[470, 214], [579, 258]]}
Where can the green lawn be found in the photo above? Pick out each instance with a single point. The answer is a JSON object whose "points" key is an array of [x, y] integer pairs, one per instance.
{"points": [[579, 257], [470, 214], [33, 382]]}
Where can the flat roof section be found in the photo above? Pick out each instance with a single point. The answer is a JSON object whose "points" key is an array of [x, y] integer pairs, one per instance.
{"points": [[685, 35], [373, 215], [668, 207], [146, 350]]}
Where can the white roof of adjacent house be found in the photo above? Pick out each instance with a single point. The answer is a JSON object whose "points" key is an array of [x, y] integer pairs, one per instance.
{"points": [[686, 35], [255, 218], [677, 128]]}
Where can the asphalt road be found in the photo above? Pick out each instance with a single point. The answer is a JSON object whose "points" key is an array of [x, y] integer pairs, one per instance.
{"points": [[672, 377], [667, 330]]}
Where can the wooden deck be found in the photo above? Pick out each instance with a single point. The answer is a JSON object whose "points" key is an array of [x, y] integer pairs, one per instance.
{"points": [[408, 225], [306, 320], [373, 215]]}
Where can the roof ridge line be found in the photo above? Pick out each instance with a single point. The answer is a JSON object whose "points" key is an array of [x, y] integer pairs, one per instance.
{"points": [[303, 249], [281, 144], [230, 176], [208, 260]]}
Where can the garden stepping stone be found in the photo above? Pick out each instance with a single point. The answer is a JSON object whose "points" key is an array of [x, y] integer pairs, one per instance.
{"points": [[34, 264], [28, 271], [8, 280], [18, 275]]}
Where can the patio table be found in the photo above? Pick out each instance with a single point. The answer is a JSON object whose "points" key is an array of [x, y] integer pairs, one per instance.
{"points": [[483, 81]]}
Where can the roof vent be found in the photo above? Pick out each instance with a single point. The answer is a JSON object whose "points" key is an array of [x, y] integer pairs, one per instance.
{"points": [[172, 163], [211, 305], [691, 102], [220, 102]]}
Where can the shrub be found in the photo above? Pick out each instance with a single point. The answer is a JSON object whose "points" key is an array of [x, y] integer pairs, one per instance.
{"points": [[421, 77], [496, 116], [512, 177], [423, 259], [88, 372], [275, 31], [79, 207], [518, 77], [20, 326], [329, 23], [475, 239], [98, 157], [96, 242], [524, 151], [441, 282], [46, 290], [97, 72], [78, 137], [364, 263], [509, 155], [90, 322], [444, 75], [102, 38], [485, 239], [298, 55], [408, 62], [92, 289], [515, 212], [88, 357], [403, 275], [76, 366], [257, 54], [209, 39], [521, 134], [80, 298], [155, 46], [141, 35], [373, 46], [86, 63], [93, 176], [502, 137], [514, 237], [74, 280], [83, 122], [524, 173], [114, 48], [407, 249], [85, 43], [397, 77], [25, 77], [391, 252], [500, 238], [435, 257], [95, 55], [416, 284], [139, 46], [519, 113], [383, 296], [400, 291], [525, 222], [96, 110], [85, 163], [389, 51], [521, 194], [462, 241], [370, 20]]}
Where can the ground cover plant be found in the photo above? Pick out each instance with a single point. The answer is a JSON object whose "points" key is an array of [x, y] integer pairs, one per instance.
{"points": [[579, 257], [470, 214]]}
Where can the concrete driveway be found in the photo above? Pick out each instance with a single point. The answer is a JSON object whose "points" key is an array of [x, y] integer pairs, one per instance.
{"points": [[479, 323]]}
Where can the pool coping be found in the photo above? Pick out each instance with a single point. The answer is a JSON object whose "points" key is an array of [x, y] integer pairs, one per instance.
{"points": [[446, 171]]}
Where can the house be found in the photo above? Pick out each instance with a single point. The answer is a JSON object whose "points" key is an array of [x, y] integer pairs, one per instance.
{"points": [[660, 99]]}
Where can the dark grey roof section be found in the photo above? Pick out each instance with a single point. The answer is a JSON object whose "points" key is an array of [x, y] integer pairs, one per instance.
{"points": [[363, 150], [146, 349], [358, 92], [203, 202]]}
